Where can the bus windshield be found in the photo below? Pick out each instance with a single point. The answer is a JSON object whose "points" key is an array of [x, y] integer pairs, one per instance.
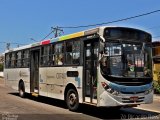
{"points": [[124, 59]]}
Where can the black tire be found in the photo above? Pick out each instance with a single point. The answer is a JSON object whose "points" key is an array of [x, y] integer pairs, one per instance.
{"points": [[72, 100], [21, 90]]}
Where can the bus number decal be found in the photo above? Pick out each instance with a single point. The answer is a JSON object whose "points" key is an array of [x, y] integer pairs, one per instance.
{"points": [[61, 75]]}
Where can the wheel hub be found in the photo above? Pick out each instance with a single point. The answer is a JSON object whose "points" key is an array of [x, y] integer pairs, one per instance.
{"points": [[21, 92], [72, 99]]}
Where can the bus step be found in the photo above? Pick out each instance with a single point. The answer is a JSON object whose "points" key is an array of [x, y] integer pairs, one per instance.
{"points": [[34, 94], [88, 103]]}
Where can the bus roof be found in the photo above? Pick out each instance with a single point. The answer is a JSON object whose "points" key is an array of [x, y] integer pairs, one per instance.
{"points": [[18, 48], [69, 36]]}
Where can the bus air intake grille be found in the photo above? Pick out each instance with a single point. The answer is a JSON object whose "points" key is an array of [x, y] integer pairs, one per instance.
{"points": [[128, 100], [132, 92]]}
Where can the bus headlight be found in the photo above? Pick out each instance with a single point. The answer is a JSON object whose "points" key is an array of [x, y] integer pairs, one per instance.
{"points": [[115, 92], [148, 91], [109, 89]]}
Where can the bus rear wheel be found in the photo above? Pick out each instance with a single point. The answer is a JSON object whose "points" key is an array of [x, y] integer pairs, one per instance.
{"points": [[72, 100], [21, 90]]}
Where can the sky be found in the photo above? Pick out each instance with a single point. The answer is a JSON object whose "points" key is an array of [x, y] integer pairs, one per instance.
{"points": [[23, 21]]}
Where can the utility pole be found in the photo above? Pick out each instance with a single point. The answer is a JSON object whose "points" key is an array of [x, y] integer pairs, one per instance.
{"points": [[57, 31], [8, 46]]}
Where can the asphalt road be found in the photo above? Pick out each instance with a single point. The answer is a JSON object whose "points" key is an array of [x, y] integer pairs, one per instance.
{"points": [[12, 107]]}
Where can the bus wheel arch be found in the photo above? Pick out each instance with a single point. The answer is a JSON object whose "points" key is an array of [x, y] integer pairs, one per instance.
{"points": [[71, 97], [21, 88]]}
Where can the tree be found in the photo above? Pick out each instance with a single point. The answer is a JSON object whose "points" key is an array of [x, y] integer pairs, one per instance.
{"points": [[1, 58], [1, 67], [1, 62]]}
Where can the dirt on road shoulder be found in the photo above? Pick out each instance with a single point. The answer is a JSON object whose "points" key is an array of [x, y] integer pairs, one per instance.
{"points": [[1, 80]]}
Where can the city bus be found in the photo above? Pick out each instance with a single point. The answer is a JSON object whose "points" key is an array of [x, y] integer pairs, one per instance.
{"points": [[156, 65], [104, 67]]}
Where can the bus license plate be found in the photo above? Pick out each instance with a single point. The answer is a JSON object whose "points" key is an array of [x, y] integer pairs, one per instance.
{"points": [[134, 98]]}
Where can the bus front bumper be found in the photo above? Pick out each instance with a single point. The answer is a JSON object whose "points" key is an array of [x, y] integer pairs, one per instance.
{"points": [[108, 100]]}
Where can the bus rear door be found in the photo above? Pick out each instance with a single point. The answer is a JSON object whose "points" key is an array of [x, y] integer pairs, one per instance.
{"points": [[34, 70]]}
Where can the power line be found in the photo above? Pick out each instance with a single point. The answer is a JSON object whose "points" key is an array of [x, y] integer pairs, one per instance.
{"points": [[60, 29], [56, 31], [114, 21], [156, 36], [13, 43], [47, 35], [33, 39], [17, 43]]}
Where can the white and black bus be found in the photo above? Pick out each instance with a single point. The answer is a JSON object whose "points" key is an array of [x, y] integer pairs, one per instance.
{"points": [[103, 66]]}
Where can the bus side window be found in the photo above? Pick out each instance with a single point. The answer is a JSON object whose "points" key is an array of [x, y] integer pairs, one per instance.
{"points": [[76, 52], [25, 58], [60, 59], [69, 54], [52, 60], [13, 60], [72, 52], [45, 55], [8, 60], [18, 57], [59, 54]]}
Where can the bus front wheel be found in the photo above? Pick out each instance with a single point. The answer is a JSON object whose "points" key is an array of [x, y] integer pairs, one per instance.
{"points": [[21, 90], [72, 100]]}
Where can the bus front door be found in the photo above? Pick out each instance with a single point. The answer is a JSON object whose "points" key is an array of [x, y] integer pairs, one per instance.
{"points": [[34, 70], [90, 71]]}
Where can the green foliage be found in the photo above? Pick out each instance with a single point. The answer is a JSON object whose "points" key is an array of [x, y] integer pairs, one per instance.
{"points": [[156, 87], [1, 67]]}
